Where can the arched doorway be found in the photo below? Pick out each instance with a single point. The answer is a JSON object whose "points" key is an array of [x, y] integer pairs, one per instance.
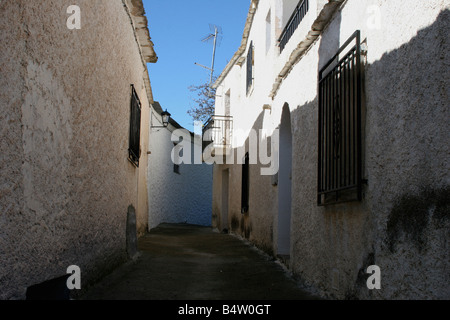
{"points": [[284, 184]]}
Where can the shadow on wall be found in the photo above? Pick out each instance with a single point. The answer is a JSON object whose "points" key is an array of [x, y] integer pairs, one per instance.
{"points": [[407, 197], [414, 161], [406, 201], [414, 137], [283, 216], [241, 223], [261, 200]]}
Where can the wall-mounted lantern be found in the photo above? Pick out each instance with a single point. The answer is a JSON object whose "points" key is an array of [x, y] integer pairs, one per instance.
{"points": [[165, 119]]}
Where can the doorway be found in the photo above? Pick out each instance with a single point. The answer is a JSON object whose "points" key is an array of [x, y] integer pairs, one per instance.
{"points": [[284, 184], [224, 211]]}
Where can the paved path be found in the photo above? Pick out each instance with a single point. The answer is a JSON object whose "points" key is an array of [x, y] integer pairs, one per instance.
{"points": [[182, 262]]}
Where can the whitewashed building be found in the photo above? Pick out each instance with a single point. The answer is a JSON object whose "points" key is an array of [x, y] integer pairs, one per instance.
{"points": [[355, 94], [179, 190]]}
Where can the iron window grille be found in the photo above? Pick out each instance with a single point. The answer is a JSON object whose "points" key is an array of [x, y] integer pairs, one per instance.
{"points": [[294, 21], [134, 151], [340, 103], [250, 63], [245, 184]]}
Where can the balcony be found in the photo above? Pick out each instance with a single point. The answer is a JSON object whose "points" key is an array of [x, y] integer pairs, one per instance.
{"points": [[299, 13], [218, 131]]}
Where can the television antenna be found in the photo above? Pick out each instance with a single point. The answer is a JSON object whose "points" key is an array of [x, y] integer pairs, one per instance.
{"points": [[216, 35]]}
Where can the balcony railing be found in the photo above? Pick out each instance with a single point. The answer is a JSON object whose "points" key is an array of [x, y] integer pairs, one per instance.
{"points": [[297, 16], [218, 130]]}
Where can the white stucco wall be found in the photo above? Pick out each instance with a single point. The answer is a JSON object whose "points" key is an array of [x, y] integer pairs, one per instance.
{"points": [[176, 198], [405, 151]]}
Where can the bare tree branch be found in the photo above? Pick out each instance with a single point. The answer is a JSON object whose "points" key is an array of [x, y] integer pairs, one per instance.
{"points": [[204, 102]]}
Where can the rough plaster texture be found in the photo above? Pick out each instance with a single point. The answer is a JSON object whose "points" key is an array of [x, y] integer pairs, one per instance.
{"points": [[176, 198], [403, 221], [66, 182]]}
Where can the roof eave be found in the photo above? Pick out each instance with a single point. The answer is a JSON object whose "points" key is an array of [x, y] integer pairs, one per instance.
{"points": [[243, 46], [140, 23]]}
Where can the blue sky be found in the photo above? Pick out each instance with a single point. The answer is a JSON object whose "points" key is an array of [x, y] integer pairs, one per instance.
{"points": [[177, 28]]}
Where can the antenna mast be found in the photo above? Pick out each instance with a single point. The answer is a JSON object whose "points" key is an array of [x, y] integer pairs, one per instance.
{"points": [[214, 55], [216, 35]]}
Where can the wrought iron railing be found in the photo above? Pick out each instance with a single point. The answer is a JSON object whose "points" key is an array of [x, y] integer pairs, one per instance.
{"points": [[218, 130], [297, 16]]}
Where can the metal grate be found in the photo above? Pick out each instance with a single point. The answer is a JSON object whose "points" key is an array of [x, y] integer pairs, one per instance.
{"points": [[297, 16], [339, 153], [135, 128]]}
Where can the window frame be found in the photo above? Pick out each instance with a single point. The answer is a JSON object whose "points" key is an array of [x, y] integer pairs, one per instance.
{"points": [[340, 86]]}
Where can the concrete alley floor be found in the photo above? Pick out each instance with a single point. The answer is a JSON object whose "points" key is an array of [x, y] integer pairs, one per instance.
{"points": [[184, 262]]}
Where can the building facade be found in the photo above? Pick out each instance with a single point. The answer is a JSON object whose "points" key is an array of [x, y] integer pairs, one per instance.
{"points": [[353, 97], [179, 185], [75, 100]]}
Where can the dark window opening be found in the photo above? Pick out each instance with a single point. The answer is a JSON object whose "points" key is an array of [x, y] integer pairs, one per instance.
{"points": [[340, 107], [250, 63], [178, 153], [134, 151], [245, 184]]}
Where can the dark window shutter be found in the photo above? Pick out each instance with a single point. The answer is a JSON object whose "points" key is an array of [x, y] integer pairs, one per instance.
{"points": [[135, 129], [250, 67]]}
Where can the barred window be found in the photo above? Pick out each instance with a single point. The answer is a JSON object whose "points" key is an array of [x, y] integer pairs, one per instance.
{"points": [[134, 151], [340, 105]]}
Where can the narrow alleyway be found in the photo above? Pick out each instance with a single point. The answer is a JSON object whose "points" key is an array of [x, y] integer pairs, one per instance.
{"points": [[183, 262]]}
